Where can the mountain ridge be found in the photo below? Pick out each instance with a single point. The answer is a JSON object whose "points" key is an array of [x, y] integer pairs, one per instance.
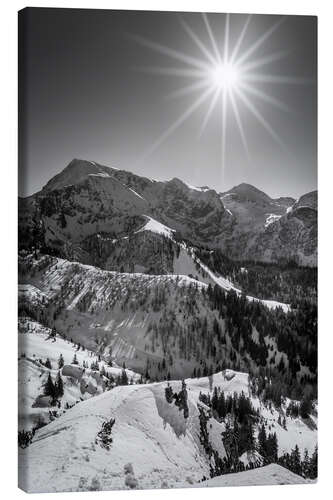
{"points": [[86, 199]]}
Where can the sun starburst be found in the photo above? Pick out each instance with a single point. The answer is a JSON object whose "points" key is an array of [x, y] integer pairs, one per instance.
{"points": [[225, 75]]}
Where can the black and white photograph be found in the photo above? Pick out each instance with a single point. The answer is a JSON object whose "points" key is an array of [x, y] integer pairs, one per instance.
{"points": [[167, 250]]}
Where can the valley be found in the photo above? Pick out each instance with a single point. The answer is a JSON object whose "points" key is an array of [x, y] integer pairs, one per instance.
{"points": [[179, 320]]}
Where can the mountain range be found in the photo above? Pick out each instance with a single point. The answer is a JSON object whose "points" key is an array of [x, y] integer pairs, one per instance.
{"points": [[88, 211]]}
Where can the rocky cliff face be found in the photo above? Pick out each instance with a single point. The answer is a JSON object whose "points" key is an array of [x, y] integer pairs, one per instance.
{"points": [[269, 229], [88, 211]]}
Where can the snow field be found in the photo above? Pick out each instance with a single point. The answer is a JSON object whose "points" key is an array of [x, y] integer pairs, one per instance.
{"points": [[149, 435]]}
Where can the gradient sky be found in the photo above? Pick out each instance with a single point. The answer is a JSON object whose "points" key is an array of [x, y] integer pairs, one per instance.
{"points": [[83, 96]]}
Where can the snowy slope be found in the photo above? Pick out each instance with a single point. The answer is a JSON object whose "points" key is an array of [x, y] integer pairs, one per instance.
{"points": [[269, 474], [149, 435], [106, 310], [103, 309], [35, 346], [156, 227], [298, 432], [188, 263]]}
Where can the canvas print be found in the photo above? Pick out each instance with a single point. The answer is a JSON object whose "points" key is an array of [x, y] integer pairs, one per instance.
{"points": [[167, 297]]}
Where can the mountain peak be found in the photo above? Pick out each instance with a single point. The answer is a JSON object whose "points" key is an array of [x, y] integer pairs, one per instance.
{"points": [[76, 171], [308, 200], [247, 192]]}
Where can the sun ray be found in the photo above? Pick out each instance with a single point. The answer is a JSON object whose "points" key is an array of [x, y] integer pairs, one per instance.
{"points": [[239, 122], [265, 60], [226, 40], [171, 71], [240, 39], [212, 38], [209, 111], [265, 97], [260, 41], [188, 89], [224, 132], [260, 118], [175, 54], [180, 120], [278, 79], [227, 74], [197, 41]]}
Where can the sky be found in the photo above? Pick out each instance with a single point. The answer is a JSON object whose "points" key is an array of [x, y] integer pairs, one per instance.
{"points": [[89, 88]]}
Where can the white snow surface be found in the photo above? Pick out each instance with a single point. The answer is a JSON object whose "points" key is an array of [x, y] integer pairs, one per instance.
{"points": [[228, 285], [271, 219], [100, 174], [35, 345], [157, 227], [197, 188], [136, 194], [152, 435], [272, 474]]}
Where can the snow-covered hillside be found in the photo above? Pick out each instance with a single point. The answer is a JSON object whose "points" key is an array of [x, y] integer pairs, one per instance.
{"points": [[120, 315], [156, 227], [152, 444], [272, 474], [188, 263], [36, 345], [102, 309]]}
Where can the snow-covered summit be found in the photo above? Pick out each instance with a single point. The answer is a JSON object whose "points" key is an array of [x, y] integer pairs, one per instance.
{"points": [[75, 172]]}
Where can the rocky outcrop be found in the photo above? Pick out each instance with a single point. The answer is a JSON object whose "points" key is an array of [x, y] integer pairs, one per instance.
{"points": [[271, 230]]}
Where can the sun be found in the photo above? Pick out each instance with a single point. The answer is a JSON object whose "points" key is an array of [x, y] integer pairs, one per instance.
{"points": [[225, 76]]}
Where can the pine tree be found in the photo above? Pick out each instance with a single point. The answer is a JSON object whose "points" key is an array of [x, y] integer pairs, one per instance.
{"points": [[296, 460], [48, 364], [306, 464], [181, 400], [313, 466], [222, 410], [250, 440], [124, 377], [49, 389], [94, 365], [59, 386], [60, 361], [215, 399], [184, 399], [262, 441], [305, 408], [272, 448], [169, 394]]}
